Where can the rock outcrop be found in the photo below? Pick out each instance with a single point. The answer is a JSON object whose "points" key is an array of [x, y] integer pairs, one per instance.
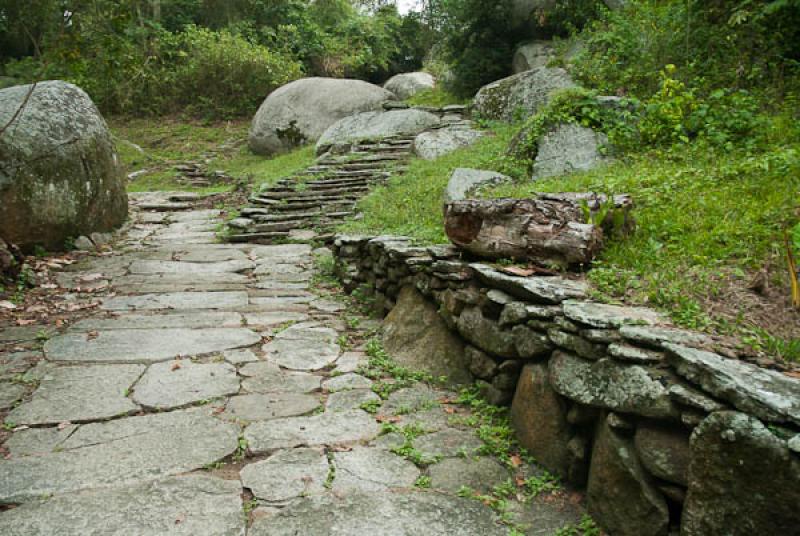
{"points": [[407, 85], [521, 95], [299, 112], [464, 181], [417, 338], [60, 176], [568, 148], [370, 126], [532, 55], [439, 142]]}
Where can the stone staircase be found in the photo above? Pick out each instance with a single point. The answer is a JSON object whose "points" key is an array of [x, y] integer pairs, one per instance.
{"points": [[310, 204]]}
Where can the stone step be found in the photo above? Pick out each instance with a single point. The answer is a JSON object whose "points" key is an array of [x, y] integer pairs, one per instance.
{"points": [[315, 193], [250, 237], [298, 206]]}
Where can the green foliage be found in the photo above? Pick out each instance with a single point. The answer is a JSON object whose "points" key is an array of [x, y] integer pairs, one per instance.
{"points": [[437, 97], [586, 527], [411, 204], [716, 44]]}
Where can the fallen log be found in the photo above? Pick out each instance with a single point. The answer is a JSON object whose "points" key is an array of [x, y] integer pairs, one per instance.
{"points": [[564, 229]]}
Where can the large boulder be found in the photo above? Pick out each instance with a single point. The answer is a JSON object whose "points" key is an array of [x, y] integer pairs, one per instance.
{"points": [[539, 417], [522, 94], [376, 126], [464, 181], [60, 176], [299, 112], [433, 144], [568, 148], [743, 479], [532, 55], [621, 497], [416, 337], [407, 85]]}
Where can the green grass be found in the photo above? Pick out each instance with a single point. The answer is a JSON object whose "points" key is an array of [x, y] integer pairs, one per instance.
{"points": [[167, 142], [707, 220], [437, 97], [411, 204]]}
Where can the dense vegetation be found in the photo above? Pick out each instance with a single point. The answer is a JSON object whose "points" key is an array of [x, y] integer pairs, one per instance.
{"points": [[207, 58]]}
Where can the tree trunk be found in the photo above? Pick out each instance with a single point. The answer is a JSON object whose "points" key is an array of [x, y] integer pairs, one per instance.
{"points": [[552, 229]]}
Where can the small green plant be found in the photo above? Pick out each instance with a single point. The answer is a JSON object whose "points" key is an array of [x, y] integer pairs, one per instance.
{"points": [[423, 481], [586, 527], [371, 406]]}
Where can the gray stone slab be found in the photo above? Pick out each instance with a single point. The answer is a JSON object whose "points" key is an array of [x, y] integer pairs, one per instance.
{"points": [[282, 285], [262, 407], [177, 300], [239, 357], [268, 269], [24, 333], [449, 443], [80, 393], [265, 377], [37, 441], [121, 452], [600, 315], [10, 393], [384, 514], [187, 320], [146, 345], [372, 469], [350, 362], [350, 400], [287, 475], [195, 215], [767, 394], [282, 251], [325, 429], [346, 382], [275, 318], [481, 474], [303, 347], [191, 505], [208, 254], [177, 383], [13, 364], [189, 268], [536, 289]]}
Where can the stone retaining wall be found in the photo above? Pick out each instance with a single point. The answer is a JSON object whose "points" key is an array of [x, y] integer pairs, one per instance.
{"points": [[669, 431]]}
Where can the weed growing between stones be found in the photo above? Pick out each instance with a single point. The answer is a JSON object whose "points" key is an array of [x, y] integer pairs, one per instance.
{"points": [[586, 527], [381, 366]]}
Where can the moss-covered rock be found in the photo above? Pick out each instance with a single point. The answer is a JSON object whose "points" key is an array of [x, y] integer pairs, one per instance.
{"points": [[522, 95], [60, 176]]}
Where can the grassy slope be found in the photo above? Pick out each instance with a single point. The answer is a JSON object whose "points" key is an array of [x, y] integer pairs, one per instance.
{"points": [[707, 222], [167, 142]]}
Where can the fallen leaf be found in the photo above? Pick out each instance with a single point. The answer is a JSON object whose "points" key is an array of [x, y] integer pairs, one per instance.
{"points": [[518, 271], [519, 481], [92, 335], [63, 425], [180, 519], [22, 322], [450, 411], [175, 366], [388, 418], [516, 461]]}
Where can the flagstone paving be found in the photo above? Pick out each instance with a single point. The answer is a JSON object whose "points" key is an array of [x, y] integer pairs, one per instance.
{"points": [[217, 391]]}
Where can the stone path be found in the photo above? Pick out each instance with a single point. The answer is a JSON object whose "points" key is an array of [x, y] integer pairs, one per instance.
{"points": [[216, 392]]}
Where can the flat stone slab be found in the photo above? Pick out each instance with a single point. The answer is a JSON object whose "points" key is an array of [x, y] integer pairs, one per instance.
{"points": [[372, 469], [346, 382], [37, 441], [81, 393], [287, 475], [178, 300], [325, 429], [282, 251], [265, 377], [304, 347], [767, 394], [449, 443], [146, 345], [239, 357], [201, 319], [122, 452], [411, 399], [480, 474], [603, 316], [182, 267], [176, 383], [537, 289], [10, 393], [383, 513], [191, 505], [262, 407], [350, 362], [24, 333], [276, 318], [350, 400], [608, 384]]}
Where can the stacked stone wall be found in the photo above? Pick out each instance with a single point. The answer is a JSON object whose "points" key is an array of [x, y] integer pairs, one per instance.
{"points": [[667, 430]]}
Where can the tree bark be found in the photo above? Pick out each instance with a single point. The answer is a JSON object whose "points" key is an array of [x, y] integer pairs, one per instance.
{"points": [[565, 230]]}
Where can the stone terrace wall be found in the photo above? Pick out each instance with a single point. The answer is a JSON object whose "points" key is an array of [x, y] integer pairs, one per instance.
{"points": [[668, 430]]}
